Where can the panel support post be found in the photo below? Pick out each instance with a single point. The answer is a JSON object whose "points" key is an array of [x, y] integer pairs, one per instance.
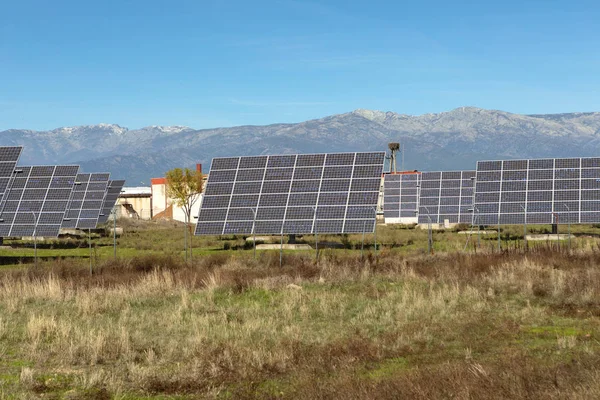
{"points": [[317, 244], [281, 252], [362, 246], [90, 246], [525, 228], [115, 233], [375, 238], [254, 230], [35, 220], [316, 236], [499, 244]]}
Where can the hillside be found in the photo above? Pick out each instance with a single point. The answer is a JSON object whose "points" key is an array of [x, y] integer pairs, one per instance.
{"points": [[448, 140]]}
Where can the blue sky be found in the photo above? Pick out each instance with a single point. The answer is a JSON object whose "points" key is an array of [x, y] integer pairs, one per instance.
{"points": [[210, 63]]}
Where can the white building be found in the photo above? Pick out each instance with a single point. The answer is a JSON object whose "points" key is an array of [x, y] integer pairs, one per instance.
{"points": [[164, 207], [135, 202]]}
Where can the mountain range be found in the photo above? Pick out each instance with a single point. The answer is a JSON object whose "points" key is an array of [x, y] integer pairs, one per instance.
{"points": [[444, 141]]}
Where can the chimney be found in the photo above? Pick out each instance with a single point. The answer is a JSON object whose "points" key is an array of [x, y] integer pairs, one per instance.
{"points": [[199, 168]]}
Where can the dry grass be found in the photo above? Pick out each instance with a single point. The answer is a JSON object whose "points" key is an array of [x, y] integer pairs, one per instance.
{"points": [[504, 325]]}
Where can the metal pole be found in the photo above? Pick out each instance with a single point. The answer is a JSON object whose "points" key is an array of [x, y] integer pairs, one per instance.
{"points": [[254, 230], [568, 224], [478, 229], [375, 238], [90, 246], [281, 252], [429, 232], [316, 235], [375, 210], [35, 239], [317, 243], [115, 232], [569, 232], [362, 246], [558, 231], [499, 244], [524, 226], [430, 235]]}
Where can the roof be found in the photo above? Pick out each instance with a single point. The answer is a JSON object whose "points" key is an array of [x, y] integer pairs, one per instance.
{"points": [[136, 191], [158, 181]]}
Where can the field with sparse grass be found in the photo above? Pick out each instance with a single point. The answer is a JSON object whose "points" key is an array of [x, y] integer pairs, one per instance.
{"points": [[523, 323]]}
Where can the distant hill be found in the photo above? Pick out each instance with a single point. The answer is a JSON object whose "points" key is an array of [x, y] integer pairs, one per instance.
{"points": [[448, 140]]}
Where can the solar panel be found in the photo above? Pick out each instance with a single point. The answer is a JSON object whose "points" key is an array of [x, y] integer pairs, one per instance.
{"points": [[9, 156], [326, 193], [112, 194], [86, 201], [540, 191], [401, 197], [446, 196], [39, 196]]}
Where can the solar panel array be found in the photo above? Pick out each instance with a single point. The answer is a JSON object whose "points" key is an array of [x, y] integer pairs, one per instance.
{"points": [[110, 199], [401, 196], [541, 191], [87, 200], [292, 194], [39, 196], [9, 156], [446, 195]]}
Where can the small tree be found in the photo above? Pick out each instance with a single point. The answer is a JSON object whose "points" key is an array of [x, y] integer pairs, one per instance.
{"points": [[184, 186]]}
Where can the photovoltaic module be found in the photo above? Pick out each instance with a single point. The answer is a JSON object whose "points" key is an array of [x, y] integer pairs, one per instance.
{"points": [[292, 194]]}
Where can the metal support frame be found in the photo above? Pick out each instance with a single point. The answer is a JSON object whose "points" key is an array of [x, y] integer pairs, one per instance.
{"points": [[316, 236], [429, 231], [499, 242], [478, 230], [568, 224], [474, 220], [115, 232], [362, 246], [90, 246], [555, 216], [525, 226], [254, 230], [375, 237], [35, 223]]}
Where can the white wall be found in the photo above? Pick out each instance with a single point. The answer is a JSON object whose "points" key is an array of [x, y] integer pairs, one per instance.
{"points": [[179, 214], [159, 198]]}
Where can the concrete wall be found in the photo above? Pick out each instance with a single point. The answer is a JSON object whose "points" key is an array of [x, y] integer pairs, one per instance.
{"points": [[135, 207]]}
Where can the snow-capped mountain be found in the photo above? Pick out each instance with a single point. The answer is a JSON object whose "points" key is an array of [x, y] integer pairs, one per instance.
{"points": [[448, 140]]}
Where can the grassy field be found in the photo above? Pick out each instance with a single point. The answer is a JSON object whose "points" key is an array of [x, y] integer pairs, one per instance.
{"points": [[456, 324]]}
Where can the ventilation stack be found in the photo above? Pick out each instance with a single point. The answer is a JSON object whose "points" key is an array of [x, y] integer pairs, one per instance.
{"points": [[394, 148]]}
